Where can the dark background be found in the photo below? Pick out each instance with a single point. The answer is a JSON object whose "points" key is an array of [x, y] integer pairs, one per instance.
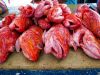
{"points": [[79, 1]]}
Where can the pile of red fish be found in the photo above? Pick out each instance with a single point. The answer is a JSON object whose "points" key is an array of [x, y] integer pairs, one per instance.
{"points": [[50, 26]]}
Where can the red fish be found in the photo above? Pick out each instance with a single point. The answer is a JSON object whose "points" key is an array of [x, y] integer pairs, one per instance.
{"points": [[7, 43], [31, 43], [56, 41], [90, 19], [20, 23], [87, 41]]}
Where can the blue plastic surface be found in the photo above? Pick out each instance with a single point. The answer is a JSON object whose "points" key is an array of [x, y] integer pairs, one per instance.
{"points": [[51, 72]]}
